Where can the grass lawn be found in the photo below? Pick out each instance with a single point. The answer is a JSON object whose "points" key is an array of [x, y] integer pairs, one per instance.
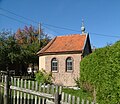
{"points": [[79, 93]]}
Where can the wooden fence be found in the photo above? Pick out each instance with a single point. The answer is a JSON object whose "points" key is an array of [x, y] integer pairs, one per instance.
{"points": [[30, 92], [69, 99]]}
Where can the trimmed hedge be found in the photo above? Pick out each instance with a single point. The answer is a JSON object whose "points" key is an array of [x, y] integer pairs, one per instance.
{"points": [[101, 70]]}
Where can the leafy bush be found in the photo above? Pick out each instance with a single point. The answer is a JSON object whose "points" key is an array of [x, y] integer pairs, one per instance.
{"points": [[101, 70], [43, 77]]}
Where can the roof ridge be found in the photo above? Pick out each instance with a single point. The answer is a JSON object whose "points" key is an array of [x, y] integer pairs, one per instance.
{"points": [[68, 35], [71, 35]]}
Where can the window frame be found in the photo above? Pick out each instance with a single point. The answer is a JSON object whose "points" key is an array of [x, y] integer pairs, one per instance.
{"points": [[69, 64], [55, 66]]}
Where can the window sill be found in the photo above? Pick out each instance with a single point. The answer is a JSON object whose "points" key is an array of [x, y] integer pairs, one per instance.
{"points": [[54, 71], [69, 71]]}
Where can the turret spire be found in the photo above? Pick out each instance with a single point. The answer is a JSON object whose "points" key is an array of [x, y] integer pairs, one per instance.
{"points": [[83, 28]]}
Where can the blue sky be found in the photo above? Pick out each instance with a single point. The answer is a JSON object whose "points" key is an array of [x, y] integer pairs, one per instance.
{"points": [[101, 17]]}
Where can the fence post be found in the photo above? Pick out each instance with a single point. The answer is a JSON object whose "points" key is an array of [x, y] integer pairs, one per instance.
{"points": [[57, 98], [6, 90], [0, 77]]}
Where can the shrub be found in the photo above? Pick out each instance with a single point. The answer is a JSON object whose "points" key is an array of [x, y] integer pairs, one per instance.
{"points": [[101, 69], [43, 77], [77, 81]]}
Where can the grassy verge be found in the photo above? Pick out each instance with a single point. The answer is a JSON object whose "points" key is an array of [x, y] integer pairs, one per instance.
{"points": [[79, 93]]}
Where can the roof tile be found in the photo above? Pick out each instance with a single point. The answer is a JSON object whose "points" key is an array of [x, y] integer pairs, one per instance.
{"points": [[67, 43]]}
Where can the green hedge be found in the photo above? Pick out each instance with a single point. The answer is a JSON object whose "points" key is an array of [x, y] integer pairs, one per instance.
{"points": [[101, 70]]}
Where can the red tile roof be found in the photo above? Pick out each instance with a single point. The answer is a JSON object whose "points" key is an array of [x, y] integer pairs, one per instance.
{"points": [[67, 43]]}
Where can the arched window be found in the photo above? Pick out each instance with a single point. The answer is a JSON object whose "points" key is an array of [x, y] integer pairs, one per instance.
{"points": [[69, 64], [54, 64]]}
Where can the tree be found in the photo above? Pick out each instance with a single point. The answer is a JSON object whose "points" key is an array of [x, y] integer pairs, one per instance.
{"points": [[20, 49], [29, 35], [9, 50], [28, 38]]}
